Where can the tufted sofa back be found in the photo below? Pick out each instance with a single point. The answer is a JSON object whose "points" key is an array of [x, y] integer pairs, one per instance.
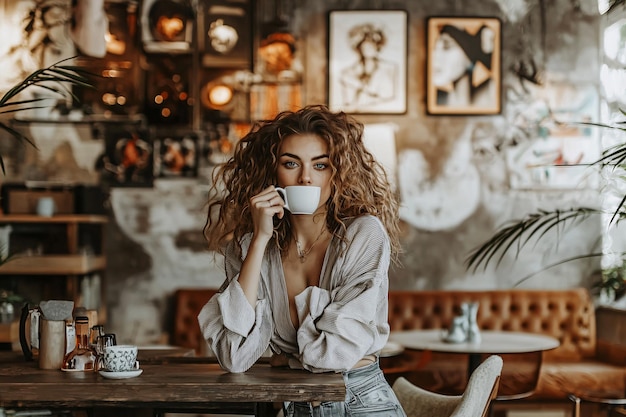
{"points": [[568, 315], [187, 305]]}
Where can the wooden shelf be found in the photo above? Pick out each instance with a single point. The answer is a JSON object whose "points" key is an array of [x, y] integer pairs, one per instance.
{"points": [[59, 218], [53, 265], [65, 255], [83, 119]]}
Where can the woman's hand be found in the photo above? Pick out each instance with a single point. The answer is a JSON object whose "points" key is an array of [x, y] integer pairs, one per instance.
{"points": [[278, 360], [263, 207]]}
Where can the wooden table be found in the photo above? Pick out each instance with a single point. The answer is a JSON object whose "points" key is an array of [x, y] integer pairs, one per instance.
{"points": [[158, 354], [168, 386], [492, 342]]}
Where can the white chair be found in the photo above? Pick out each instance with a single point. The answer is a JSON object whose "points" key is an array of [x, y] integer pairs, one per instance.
{"points": [[481, 389]]}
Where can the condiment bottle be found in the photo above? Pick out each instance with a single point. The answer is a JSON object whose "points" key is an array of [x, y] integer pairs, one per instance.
{"points": [[83, 357], [96, 332]]}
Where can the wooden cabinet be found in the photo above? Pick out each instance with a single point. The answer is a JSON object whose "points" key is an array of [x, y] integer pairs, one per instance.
{"points": [[58, 257]]}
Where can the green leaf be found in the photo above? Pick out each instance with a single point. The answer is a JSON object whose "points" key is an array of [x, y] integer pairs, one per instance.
{"points": [[521, 232], [57, 78]]}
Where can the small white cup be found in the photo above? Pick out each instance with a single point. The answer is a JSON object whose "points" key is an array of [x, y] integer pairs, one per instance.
{"points": [[45, 206], [300, 199], [120, 358]]}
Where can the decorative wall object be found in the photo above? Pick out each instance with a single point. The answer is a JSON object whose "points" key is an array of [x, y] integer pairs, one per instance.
{"points": [[127, 159], [463, 65], [175, 155], [117, 90], [167, 26], [269, 99], [227, 39], [367, 61], [560, 149], [278, 57], [225, 93], [167, 90]]}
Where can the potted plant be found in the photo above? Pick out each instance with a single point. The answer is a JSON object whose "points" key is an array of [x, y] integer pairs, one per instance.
{"points": [[518, 234], [58, 78]]}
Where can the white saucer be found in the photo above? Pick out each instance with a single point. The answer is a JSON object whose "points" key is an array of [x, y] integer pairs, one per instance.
{"points": [[120, 375]]}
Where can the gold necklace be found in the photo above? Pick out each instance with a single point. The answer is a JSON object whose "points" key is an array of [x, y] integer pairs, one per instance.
{"points": [[302, 254]]}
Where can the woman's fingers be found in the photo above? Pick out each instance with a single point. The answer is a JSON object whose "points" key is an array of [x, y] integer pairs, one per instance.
{"points": [[267, 204], [269, 197]]}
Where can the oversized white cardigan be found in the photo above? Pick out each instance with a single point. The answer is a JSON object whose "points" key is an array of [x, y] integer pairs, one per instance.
{"points": [[341, 321]]}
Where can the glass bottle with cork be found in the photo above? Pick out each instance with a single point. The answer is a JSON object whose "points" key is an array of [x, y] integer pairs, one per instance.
{"points": [[83, 356]]}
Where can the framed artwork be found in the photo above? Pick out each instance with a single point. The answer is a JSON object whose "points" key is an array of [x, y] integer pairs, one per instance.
{"points": [[176, 156], [367, 61], [167, 26], [463, 62], [127, 160], [227, 40]]}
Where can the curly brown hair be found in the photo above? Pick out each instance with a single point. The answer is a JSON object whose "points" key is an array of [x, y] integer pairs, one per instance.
{"points": [[359, 184]]}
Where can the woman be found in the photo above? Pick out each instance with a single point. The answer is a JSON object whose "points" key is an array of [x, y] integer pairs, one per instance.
{"points": [[313, 288]]}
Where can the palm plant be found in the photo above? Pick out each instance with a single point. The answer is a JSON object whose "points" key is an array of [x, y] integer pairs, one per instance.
{"points": [[518, 234], [58, 78]]}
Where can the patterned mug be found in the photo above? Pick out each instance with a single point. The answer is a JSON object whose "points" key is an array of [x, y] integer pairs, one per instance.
{"points": [[120, 358]]}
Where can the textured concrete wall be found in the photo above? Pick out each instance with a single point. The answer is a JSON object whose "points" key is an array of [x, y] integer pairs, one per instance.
{"points": [[154, 219], [155, 242]]}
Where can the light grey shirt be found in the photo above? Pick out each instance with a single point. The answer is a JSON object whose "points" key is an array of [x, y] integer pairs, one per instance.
{"points": [[341, 321]]}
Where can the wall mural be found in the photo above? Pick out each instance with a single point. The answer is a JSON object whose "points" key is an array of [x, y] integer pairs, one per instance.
{"points": [[439, 200], [560, 147]]}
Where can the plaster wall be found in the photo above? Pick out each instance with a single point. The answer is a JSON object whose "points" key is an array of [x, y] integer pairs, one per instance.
{"points": [[432, 258], [155, 243]]}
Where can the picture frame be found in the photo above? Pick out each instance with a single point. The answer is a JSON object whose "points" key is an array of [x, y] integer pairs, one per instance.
{"points": [[367, 61], [167, 26], [463, 66], [128, 159], [227, 40], [176, 155]]}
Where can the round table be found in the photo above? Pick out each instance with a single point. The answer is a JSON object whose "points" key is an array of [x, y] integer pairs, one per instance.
{"points": [[610, 403], [492, 342]]}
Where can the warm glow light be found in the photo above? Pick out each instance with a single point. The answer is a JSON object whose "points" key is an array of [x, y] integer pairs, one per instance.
{"points": [[158, 99], [166, 112], [121, 100], [109, 99], [111, 73], [220, 95], [170, 27]]}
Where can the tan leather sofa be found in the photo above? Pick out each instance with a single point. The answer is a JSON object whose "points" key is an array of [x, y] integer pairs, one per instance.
{"points": [[581, 364]]}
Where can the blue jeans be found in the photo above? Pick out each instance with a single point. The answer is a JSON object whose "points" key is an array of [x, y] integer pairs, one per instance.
{"points": [[367, 394]]}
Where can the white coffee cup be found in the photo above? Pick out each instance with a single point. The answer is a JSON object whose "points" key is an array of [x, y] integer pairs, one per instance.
{"points": [[300, 199], [120, 358], [45, 206]]}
